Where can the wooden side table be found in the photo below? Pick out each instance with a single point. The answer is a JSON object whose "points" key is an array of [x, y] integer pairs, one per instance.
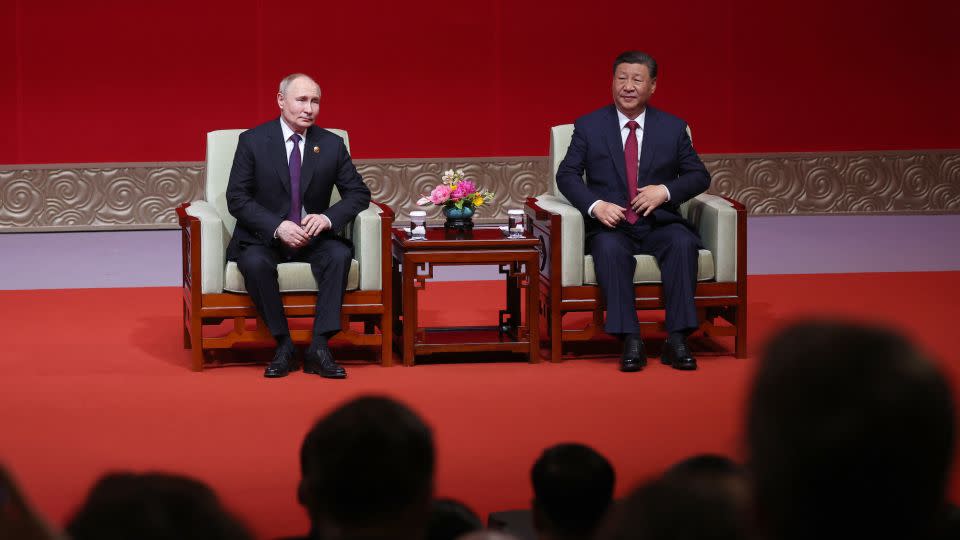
{"points": [[517, 259]]}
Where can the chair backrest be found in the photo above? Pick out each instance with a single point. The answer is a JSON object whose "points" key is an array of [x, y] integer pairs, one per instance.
{"points": [[221, 146], [559, 143]]}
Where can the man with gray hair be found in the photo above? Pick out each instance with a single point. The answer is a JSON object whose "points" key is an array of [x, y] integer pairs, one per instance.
{"points": [[283, 176]]}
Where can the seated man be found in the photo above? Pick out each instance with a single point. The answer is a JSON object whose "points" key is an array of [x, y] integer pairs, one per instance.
{"points": [[640, 166], [279, 190], [573, 488]]}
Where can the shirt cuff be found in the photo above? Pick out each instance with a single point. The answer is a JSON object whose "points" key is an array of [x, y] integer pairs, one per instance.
{"points": [[665, 188], [592, 206]]}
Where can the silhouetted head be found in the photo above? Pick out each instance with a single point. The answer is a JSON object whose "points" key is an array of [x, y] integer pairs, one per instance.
{"points": [[850, 433], [700, 498], [152, 506], [367, 471], [573, 487]]}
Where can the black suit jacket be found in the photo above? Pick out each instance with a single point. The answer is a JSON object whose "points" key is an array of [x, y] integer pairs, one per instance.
{"points": [[258, 191], [666, 157]]}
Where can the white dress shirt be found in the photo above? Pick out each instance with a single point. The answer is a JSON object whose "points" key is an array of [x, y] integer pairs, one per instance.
{"points": [[288, 143], [624, 133]]}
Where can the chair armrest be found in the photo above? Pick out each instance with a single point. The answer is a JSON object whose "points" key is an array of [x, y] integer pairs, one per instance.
{"points": [[716, 220], [370, 228], [571, 235], [213, 245]]}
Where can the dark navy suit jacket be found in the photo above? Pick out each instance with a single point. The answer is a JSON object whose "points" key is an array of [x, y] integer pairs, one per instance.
{"points": [[666, 157], [258, 191]]}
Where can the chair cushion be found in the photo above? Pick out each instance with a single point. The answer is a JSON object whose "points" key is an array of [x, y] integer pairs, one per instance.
{"points": [[647, 270], [293, 277]]}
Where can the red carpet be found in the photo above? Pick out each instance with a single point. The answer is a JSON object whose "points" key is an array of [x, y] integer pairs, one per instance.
{"points": [[94, 380]]}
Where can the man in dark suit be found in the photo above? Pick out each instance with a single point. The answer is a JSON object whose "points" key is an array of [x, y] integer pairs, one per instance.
{"points": [[279, 190], [640, 166]]}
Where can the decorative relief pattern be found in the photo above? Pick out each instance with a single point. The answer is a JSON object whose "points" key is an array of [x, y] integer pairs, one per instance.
{"points": [[143, 195], [840, 182], [96, 196]]}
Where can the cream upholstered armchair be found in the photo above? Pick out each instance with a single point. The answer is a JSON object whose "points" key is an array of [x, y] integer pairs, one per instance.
{"points": [[568, 282], [213, 288]]}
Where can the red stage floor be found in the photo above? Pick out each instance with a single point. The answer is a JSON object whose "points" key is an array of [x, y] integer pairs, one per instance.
{"points": [[95, 380]]}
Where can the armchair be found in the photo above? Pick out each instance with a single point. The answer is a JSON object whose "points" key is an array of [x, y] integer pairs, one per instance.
{"points": [[213, 288], [568, 282]]}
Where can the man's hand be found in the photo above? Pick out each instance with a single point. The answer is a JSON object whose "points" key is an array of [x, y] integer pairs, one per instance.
{"points": [[314, 224], [292, 234], [648, 198], [608, 213]]}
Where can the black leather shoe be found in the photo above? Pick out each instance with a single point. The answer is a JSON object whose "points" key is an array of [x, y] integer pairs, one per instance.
{"points": [[320, 362], [634, 358], [281, 363], [678, 356]]}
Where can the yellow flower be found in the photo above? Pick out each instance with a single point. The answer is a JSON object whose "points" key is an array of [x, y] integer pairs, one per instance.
{"points": [[478, 201]]}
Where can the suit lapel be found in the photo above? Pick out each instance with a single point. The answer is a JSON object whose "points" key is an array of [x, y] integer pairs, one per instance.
{"points": [[647, 148], [277, 149], [611, 133], [309, 159]]}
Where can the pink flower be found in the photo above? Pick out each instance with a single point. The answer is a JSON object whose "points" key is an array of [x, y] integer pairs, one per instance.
{"points": [[440, 194], [468, 187], [459, 193]]}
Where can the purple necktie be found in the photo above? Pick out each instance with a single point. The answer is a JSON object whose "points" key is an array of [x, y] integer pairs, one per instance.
{"points": [[294, 214], [630, 153]]}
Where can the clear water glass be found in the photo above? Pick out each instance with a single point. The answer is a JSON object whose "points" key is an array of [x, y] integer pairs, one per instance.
{"points": [[418, 225], [516, 224]]}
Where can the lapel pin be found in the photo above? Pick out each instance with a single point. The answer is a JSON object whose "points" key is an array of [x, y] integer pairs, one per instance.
{"points": [[316, 149]]}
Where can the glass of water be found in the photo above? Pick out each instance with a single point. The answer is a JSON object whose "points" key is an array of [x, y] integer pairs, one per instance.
{"points": [[418, 225], [516, 226]]}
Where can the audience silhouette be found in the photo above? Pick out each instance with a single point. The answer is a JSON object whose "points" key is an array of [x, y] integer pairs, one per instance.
{"points": [[153, 506], [850, 434], [700, 498], [367, 472], [573, 487]]}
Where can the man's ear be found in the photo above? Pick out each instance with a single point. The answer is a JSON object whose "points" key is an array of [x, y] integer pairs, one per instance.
{"points": [[280, 100]]}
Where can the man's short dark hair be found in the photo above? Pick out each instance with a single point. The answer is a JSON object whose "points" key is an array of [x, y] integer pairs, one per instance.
{"points": [[573, 487], [369, 462], [636, 57], [850, 431], [700, 498], [153, 506]]}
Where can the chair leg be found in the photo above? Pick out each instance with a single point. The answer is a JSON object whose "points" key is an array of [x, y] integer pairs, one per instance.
{"points": [[196, 342], [186, 328], [556, 330], [386, 335], [740, 347]]}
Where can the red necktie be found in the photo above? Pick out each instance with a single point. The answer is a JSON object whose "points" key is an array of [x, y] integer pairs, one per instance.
{"points": [[631, 154]]}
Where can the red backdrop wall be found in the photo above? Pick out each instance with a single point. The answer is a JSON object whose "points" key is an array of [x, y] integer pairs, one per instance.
{"points": [[122, 81]]}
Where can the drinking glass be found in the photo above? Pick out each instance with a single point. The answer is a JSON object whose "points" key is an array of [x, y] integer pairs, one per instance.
{"points": [[418, 225], [516, 226]]}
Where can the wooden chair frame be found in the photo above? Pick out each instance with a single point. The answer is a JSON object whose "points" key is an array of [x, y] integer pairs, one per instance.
{"points": [[714, 301], [373, 308]]}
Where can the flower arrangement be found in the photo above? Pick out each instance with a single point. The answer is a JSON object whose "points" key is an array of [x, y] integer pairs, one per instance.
{"points": [[456, 191]]}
